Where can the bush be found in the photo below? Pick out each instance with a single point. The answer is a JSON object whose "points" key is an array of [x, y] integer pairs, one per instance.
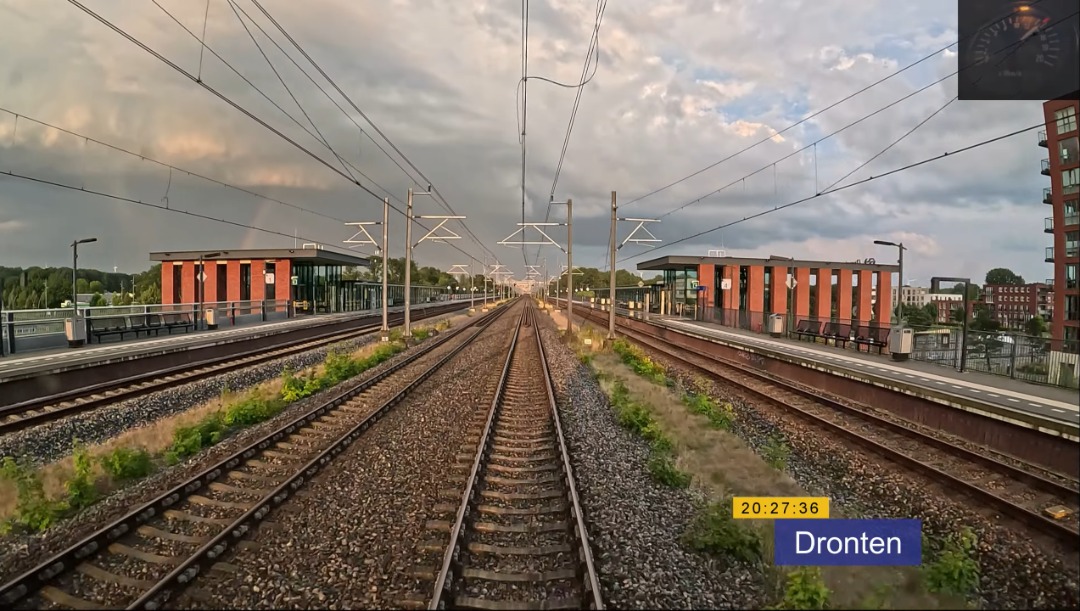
{"points": [[80, 488], [253, 409], [720, 415], [805, 589], [127, 464], [190, 440], [776, 453], [955, 571], [33, 510], [663, 469], [714, 531], [640, 362]]}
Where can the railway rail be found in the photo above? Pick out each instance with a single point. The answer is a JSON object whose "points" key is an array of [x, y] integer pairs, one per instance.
{"points": [[1019, 492], [517, 537], [145, 557], [38, 411]]}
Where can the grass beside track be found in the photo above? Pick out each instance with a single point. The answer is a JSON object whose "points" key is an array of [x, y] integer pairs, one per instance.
{"points": [[34, 498], [694, 432]]}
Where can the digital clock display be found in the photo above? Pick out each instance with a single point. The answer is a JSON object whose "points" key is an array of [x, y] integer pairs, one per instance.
{"points": [[779, 507]]}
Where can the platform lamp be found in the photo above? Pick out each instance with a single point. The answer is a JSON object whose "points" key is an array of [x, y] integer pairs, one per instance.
{"points": [[899, 281], [74, 275], [202, 285]]}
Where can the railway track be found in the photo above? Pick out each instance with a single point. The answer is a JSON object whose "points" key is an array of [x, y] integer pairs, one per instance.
{"points": [[142, 559], [517, 537], [38, 411], [1019, 492]]}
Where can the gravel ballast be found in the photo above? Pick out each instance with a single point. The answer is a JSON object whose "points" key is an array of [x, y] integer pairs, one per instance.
{"points": [[350, 539], [635, 523], [21, 552], [1015, 573]]}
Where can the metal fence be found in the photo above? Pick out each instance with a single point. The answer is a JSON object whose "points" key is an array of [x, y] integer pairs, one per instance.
{"points": [[1041, 360]]}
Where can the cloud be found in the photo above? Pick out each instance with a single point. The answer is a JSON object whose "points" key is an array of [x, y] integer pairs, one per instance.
{"points": [[680, 85]]}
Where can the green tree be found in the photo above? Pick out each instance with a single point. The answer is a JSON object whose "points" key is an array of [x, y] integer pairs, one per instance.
{"points": [[97, 300], [1036, 326], [1002, 275], [96, 286]]}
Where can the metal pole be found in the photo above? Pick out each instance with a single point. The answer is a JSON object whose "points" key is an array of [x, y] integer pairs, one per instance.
{"points": [[611, 289], [74, 284], [408, 260], [900, 290], [964, 330], [199, 293], [385, 257], [472, 289], [570, 266]]}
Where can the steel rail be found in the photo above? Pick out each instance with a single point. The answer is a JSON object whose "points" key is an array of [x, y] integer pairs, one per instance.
{"points": [[1007, 507], [137, 385], [36, 578]]}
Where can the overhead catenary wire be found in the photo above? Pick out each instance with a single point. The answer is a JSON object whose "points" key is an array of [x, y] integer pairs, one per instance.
{"points": [[131, 200], [435, 191], [1010, 49], [238, 107], [594, 48], [169, 166], [842, 188], [811, 116]]}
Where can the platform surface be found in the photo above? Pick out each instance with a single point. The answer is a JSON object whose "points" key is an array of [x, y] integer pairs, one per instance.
{"points": [[44, 361], [1047, 401]]}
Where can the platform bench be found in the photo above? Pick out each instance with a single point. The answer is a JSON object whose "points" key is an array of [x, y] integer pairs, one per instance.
{"points": [[808, 328], [145, 323], [112, 325], [872, 336], [174, 320], [840, 333]]}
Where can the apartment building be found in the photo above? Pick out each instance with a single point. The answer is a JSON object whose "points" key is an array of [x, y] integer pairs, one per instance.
{"points": [[1062, 165], [1013, 305]]}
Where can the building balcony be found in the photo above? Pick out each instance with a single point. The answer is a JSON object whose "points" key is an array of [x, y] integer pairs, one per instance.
{"points": [[1042, 139], [1050, 282], [1048, 224], [1045, 167], [1049, 254], [1072, 219], [1048, 196]]}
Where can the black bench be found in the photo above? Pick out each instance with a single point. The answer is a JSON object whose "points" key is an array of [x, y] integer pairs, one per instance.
{"points": [[840, 333], [808, 328], [111, 325], [176, 320], [872, 336], [145, 323]]}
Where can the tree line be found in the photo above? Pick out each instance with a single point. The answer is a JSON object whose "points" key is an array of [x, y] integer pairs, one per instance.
{"points": [[48, 287]]}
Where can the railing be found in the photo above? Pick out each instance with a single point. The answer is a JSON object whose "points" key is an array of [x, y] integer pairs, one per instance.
{"points": [[1048, 224], [1049, 254], [1072, 219], [1042, 138], [1048, 195], [1046, 167]]}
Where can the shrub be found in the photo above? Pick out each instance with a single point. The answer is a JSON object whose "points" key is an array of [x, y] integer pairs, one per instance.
{"points": [[805, 589], [637, 360], [80, 488], [126, 464], [776, 452], [33, 510], [253, 409], [662, 467], [714, 531], [955, 571], [720, 415], [190, 440]]}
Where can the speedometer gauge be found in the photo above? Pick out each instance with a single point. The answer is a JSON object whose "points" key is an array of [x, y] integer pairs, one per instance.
{"points": [[1029, 50]]}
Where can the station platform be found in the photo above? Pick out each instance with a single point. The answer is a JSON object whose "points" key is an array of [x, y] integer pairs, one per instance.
{"points": [[63, 359], [1052, 403]]}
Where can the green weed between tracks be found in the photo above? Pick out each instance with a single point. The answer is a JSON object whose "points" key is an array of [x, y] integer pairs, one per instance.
{"points": [[36, 511]]}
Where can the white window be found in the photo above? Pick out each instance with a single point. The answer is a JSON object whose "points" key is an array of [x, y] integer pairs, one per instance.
{"points": [[1066, 120], [1070, 180]]}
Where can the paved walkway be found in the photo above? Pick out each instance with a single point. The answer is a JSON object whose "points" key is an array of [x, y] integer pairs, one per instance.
{"points": [[1048, 401]]}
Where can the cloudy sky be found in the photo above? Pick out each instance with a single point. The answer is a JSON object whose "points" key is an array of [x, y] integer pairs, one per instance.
{"points": [[680, 86]]}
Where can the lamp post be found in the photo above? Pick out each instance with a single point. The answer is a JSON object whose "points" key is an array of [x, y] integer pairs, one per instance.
{"points": [[900, 280], [202, 285], [74, 275]]}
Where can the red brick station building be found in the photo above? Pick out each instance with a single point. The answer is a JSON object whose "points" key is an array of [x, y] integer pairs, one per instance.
{"points": [[307, 275], [742, 292]]}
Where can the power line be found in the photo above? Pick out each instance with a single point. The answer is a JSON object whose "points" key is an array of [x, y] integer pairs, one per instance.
{"points": [[435, 190], [237, 106], [524, 106], [594, 47], [130, 200], [168, 165], [814, 114], [1011, 49], [848, 186]]}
